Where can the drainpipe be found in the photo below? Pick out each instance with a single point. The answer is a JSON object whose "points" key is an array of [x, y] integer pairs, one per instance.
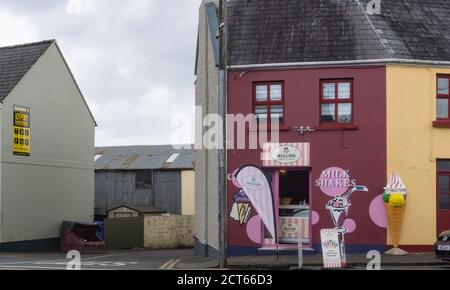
{"points": [[222, 151]]}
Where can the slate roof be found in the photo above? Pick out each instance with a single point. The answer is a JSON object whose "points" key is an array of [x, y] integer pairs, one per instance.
{"points": [[143, 158], [16, 61], [294, 31]]}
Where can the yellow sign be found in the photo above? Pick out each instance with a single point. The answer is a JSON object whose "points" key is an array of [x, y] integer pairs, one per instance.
{"points": [[21, 131]]}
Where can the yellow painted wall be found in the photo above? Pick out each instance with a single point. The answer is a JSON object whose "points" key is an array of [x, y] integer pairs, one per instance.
{"points": [[188, 192], [413, 146]]}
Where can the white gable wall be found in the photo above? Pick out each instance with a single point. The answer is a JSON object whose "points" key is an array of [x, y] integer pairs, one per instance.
{"points": [[57, 182]]}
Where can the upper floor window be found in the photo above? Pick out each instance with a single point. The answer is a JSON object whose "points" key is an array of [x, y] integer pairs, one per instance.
{"points": [[268, 101], [336, 102], [443, 98]]}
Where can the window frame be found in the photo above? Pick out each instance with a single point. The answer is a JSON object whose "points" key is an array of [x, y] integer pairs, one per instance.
{"points": [[147, 176], [442, 97], [336, 101], [269, 103]]}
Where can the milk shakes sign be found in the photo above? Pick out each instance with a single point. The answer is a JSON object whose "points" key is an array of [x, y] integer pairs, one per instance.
{"points": [[21, 131], [335, 177]]}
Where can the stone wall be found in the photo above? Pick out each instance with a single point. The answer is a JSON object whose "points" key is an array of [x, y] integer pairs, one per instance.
{"points": [[169, 232]]}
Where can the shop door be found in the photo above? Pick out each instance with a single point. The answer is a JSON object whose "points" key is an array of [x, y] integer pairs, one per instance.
{"points": [[443, 196], [443, 213]]}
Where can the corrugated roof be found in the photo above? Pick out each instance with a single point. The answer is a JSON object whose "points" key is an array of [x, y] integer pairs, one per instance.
{"points": [[16, 61], [294, 31], [143, 157]]}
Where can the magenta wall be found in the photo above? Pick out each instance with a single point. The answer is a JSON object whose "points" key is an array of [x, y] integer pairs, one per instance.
{"points": [[362, 151]]}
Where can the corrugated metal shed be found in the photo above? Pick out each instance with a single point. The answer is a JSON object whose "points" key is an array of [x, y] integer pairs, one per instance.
{"points": [[143, 158]]}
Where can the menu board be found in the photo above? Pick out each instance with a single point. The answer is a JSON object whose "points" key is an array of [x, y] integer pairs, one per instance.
{"points": [[331, 249], [21, 131]]}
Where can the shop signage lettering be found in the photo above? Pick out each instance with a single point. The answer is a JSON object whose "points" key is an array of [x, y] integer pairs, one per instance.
{"points": [[335, 178], [286, 154]]}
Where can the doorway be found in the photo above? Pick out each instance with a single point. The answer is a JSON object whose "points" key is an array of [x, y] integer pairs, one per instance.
{"points": [[443, 195], [291, 189], [294, 205]]}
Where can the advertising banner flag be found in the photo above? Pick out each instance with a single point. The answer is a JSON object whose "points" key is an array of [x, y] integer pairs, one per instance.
{"points": [[259, 191]]}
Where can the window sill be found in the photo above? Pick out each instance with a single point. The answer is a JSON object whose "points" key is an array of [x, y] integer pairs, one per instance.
{"points": [[441, 124], [337, 128], [263, 129]]}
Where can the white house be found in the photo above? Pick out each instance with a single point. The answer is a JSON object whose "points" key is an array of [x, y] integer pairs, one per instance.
{"points": [[47, 135]]}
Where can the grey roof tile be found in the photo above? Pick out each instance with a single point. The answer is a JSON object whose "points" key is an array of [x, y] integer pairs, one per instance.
{"points": [[16, 61], [282, 31]]}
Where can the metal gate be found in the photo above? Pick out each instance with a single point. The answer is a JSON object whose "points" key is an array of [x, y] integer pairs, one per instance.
{"points": [[124, 233]]}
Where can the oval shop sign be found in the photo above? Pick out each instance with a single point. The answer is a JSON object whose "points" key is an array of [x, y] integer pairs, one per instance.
{"points": [[286, 154]]}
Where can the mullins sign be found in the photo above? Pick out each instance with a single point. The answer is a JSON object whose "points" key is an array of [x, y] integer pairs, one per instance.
{"points": [[286, 154]]}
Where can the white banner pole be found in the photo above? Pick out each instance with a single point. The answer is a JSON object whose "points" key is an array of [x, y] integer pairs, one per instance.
{"points": [[300, 245]]}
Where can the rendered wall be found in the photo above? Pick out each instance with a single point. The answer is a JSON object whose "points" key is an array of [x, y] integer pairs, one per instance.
{"points": [[206, 161], [362, 150], [413, 146], [188, 192], [57, 182]]}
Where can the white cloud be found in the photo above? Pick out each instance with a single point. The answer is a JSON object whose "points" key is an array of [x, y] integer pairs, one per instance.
{"points": [[16, 29], [74, 7]]}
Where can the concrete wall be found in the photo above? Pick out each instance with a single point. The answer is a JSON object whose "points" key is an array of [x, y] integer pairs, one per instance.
{"points": [[188, 192], [206, 161], [57, 182], [168, 232], [414, 145]]}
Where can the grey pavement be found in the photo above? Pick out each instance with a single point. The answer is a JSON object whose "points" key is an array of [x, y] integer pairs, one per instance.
{"points": [[184, 259], [426, 260]]}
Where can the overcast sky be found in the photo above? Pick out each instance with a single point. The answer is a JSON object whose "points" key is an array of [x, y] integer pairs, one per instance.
{"points": [[133, 59]]}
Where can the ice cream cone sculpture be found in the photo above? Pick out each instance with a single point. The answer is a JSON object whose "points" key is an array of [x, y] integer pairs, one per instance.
{"points": [[395, 200], [241, 210]]}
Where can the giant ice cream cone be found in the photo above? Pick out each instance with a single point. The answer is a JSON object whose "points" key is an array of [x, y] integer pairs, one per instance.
{"points": [[395, 199], [395, 220]]}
